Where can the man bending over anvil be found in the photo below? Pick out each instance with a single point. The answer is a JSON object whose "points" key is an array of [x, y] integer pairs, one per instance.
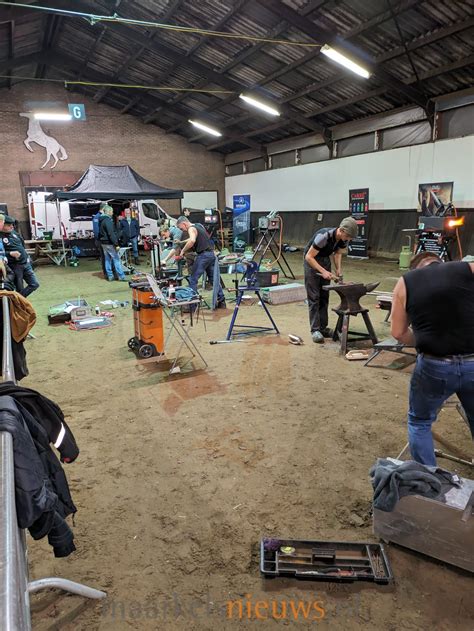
{"points": [[433, 309], [324, 244]]}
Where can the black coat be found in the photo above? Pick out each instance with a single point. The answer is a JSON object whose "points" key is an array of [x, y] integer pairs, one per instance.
{"points": [[42, 495], [108, 233]]}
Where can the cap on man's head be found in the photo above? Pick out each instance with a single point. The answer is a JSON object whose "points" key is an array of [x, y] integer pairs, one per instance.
{"points": [[105, 207], [182, 219], [349, 225], [9, 220]]}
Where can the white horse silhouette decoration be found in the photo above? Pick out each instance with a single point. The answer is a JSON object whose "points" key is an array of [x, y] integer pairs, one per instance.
{"points": [[36, 134]]}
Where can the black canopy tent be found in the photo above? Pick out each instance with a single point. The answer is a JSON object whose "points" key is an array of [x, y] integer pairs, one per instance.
{"points": [[106, 183], [114, 182]]}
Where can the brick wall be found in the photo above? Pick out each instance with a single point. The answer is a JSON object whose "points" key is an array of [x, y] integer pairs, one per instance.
{"points": [[106, 137]]}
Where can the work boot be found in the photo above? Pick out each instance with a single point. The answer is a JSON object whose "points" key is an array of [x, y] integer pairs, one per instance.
{"points": [[136, 260], [327, 332], [317, 337], [221, 305]]}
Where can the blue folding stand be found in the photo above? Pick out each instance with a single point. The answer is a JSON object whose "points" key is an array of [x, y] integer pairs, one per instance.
{"points": [[252, 285]]}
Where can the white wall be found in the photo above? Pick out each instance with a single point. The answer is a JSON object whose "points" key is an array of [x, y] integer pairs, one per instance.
{"points": [[392, 177]]}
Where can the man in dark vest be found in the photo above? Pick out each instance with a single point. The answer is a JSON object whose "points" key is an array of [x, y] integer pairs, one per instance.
{"points": [[433, 310], [324, 244], [18, 258], [200, 242]]}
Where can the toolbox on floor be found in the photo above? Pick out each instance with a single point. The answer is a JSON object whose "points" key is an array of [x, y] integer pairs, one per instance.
{"points": [[324, 560], [148, 340], [293, 292]]}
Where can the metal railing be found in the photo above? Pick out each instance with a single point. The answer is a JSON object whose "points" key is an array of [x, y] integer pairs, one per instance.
{"points": [[14, 585]]}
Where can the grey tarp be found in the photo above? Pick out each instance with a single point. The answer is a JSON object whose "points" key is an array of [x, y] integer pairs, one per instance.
{"points": [[114, 182]]}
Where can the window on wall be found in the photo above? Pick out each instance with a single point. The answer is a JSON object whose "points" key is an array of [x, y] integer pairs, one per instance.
{"points": [[235, 169], [253, 166], [353, 146], [282, 160], [413, 134], [457, 122], [314, 154]]}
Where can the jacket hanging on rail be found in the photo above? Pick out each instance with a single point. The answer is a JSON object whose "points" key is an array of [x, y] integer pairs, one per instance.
{"points": [[42, 495]]}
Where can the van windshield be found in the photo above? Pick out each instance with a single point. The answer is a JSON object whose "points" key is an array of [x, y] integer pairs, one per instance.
{"points": [[151, 211]]}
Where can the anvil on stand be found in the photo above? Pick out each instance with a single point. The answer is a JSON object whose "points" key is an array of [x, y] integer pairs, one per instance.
{"points": [[350, 294]]}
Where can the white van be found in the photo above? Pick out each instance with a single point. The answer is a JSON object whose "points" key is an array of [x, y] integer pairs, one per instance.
{"points": [[75, 216]]}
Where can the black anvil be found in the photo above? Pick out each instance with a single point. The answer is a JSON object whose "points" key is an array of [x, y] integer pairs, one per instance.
{"points": [[350, 294]]}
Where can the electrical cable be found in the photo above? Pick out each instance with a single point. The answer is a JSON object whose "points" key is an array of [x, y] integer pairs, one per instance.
{"points": [[128, 86], [94, 19], [280, 244]]}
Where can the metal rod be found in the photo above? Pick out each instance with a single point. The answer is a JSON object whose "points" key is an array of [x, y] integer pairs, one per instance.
{"points": [[67, 586], [8, 370], [14, 601]]}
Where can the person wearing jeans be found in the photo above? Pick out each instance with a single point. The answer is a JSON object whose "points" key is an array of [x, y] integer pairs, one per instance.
{"points": [[18, 258], [110, 245], [130, 231], [200, 242], [433, 309], [434, 381]]}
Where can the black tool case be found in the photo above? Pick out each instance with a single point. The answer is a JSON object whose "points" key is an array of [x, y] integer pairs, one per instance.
{"points": [[324, 560]]}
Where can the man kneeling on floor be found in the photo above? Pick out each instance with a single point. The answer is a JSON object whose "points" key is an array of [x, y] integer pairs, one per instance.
{"points": [[109, 240], [433, 310], [200, 242], [325, 244]]}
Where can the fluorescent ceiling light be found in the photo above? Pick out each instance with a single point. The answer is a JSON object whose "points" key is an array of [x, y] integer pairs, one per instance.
{"points": [[202, 127], [344, 61], [45, 116], [261, 106]]}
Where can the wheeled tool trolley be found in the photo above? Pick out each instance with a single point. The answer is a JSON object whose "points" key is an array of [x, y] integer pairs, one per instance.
{"points": [[148, 340]]}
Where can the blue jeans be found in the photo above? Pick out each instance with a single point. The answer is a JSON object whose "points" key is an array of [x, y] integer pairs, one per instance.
{"points": [[433, 381], [24, 272], [112, 259], [204, 263], [134, 243]]}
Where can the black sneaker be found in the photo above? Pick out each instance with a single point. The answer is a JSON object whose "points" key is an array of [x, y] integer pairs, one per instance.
{"points": [[327, 332], [221, 305]]}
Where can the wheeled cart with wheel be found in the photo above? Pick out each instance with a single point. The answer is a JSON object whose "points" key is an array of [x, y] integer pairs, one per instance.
{"points": [[148, 340]]}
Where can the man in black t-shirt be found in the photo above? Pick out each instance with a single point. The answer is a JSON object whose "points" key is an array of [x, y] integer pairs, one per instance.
{"points": [[200, 242], [324, 244], [433, 309]]}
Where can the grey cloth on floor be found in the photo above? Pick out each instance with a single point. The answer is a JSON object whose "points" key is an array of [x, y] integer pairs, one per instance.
{"points": [[392, 481]]}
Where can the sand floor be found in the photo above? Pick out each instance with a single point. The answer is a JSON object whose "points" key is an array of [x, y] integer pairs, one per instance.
{"points": [[179, 477]]}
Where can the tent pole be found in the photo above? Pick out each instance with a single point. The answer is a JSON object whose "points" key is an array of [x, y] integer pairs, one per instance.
{"points": [[58, 210]]}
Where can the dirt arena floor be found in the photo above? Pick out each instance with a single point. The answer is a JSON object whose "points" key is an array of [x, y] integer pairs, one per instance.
{"points": [[180, 477]]}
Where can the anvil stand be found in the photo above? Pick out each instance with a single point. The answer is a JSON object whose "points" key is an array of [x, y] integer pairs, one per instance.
{"points": [[350, 294], [269, 242], [252, 285]]}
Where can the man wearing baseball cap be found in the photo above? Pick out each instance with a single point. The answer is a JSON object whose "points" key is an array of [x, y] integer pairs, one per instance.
{"points": [[325, 244]]}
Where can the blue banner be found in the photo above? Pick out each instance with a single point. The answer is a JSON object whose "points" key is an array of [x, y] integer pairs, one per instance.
{"points": [[241, 223]]}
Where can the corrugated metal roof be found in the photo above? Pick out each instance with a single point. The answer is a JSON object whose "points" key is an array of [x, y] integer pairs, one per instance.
{"points": [[279, 72]]}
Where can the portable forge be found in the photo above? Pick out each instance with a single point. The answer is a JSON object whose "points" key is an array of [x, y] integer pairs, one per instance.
{"points": [[148, 339]]}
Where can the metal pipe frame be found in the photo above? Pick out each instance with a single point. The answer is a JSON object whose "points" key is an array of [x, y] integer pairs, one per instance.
{"points": [[14, 586]]}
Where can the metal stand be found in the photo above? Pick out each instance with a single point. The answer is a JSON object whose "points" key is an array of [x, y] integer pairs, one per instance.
{"points": [[268, 242], [177, 325], [14, 585], [342, 332], [250, 329]]}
